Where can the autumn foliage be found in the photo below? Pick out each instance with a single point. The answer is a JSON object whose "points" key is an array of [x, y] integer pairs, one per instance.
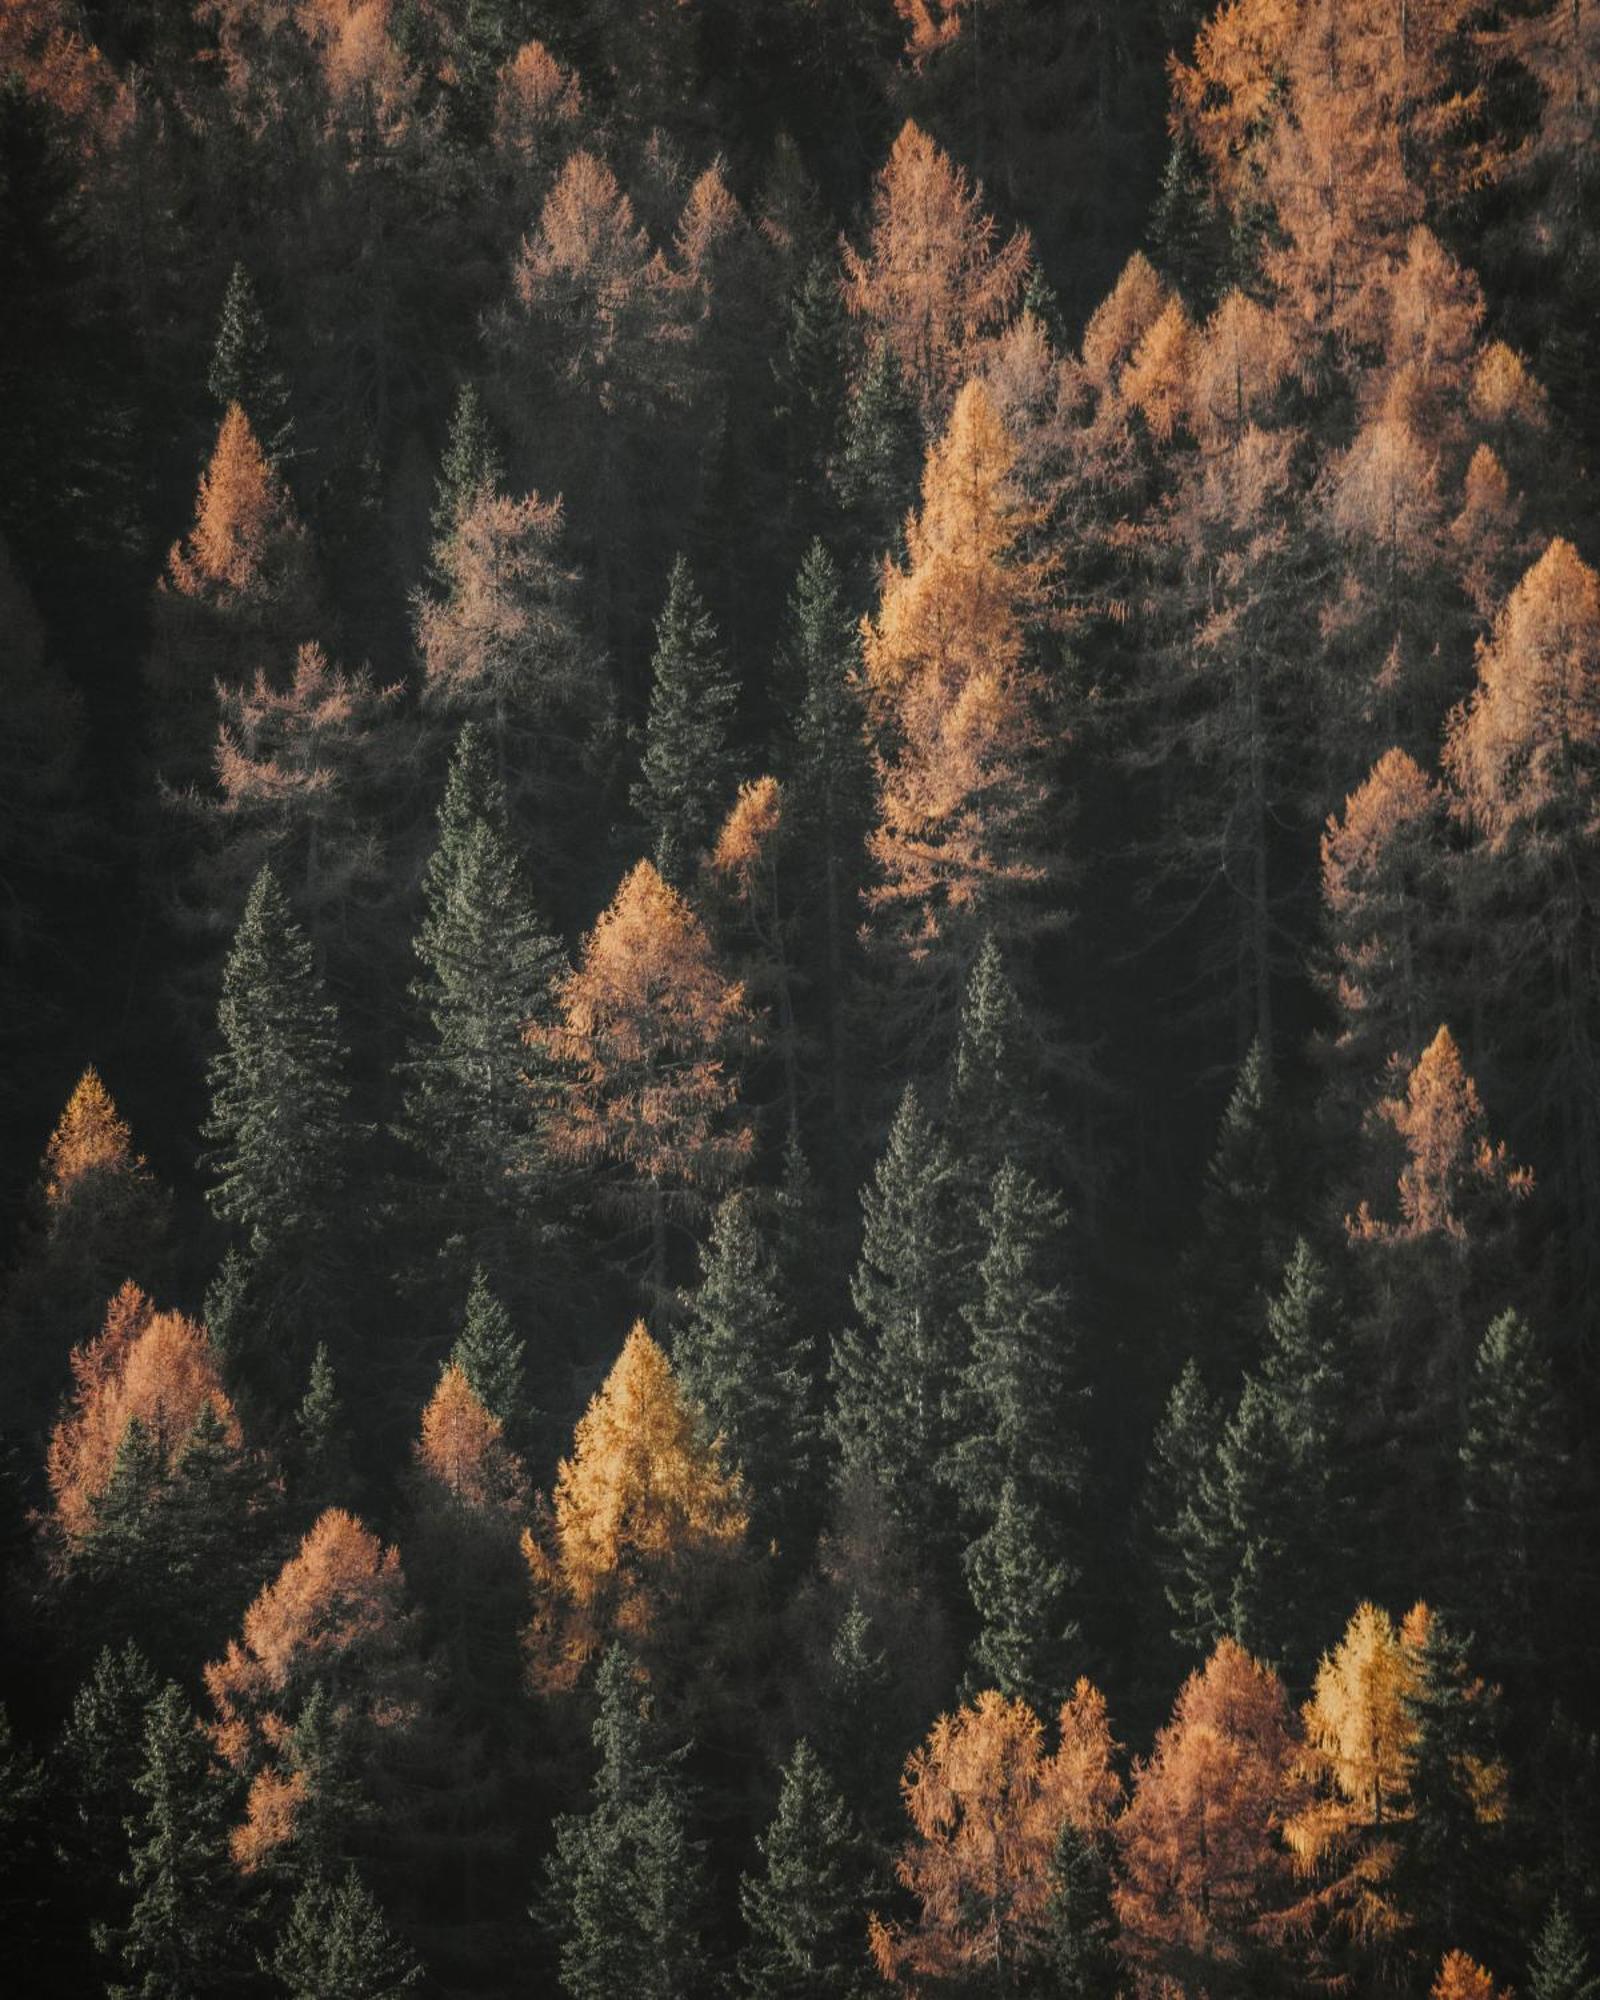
{"points": [[462, 1450], [90, 1138]]}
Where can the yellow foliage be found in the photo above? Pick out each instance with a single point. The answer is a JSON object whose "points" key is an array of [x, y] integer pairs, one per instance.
{"points": [[463, 1451], [1121, 320], [1462, 1978], [90, 1137], [242, 518], [1157, 381]]}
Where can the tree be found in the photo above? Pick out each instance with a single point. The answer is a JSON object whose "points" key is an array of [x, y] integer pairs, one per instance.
{"points": [[803, 1914], [960, 848], [470, 463], [624, 1883], [1559, 1969], [935, 279], [278, 1115], [243, 372], [987, 1803], [1202, 1866], [895, 1369], [1193, 1542], [101, 1756], [462, 1453], [1462, 1978], [684, 771], [642, 1518], [177, 1944], [489, 1353], [880, 458], [322, 1442], [336, 1945], [995, 1095], [1080, 1949], [645, 1024], [1021, 1592], [1240, 1251], [744, 1361], [474, 1102]]}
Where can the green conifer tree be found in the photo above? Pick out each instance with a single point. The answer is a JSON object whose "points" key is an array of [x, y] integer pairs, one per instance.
{"points": [[878, 469], [1193, 1537], [995, 1091], [1021, 1597], [1080, 1940], [897, 1366], [323, 1474], [624, 1885], [243, 371], [857, 1706], [1559, 1967], [337, 1945], [100, 1752], [470, 463], [27, 1864], [804, 1916], [809, 373], [685, 771], [490, 1353], [740, 1355]]}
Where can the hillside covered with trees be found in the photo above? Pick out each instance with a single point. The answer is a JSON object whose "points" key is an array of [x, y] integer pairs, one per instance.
{"points": [[799, 999]]}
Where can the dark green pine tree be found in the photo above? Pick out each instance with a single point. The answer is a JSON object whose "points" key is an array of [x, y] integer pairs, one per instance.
{"points": [[489, 1352], [100, 1754], [741, 1356], [242, 369], [1512, 1465], [1080, 1955], [336, 1945], [858, 1707], [995, 1090], [27, 1867], [1283, 1475], [897, 1367], [471, 1104], [323, 1475], [1559, 1967], [624, 1885], [831, 789], [804, 1914], [470, 463], [1241, 1250], [809, 372], [1451, 1850], [178, 1943], [878, 469], [1189, 234], [1022, 1596], [1194, 1543], [280, 1126], [334, 1806], [685, 772]]}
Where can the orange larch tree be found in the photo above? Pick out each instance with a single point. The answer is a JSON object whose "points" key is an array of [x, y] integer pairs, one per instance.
{"points": [[1462, 1978], [987, 1802], [646, 1023], [936, 279]]}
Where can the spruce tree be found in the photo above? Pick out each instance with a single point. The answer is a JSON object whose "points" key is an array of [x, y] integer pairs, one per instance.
{"points": [[742, 1358], [809, 374], [472, 1086], [1559, 1967], [336, 1945], [242, 369], [279, 1120], [1240, 1250], [858, 1708], [470, 463], [1080, 1937], [489, 1352], [1193, 1539], [897, 1366], [879, 465], [803, 1914], [177, 1944], [685, 771], [624, 1886], [995, 1092], [1021, 1596], [323, 1474], [26, 1860]]}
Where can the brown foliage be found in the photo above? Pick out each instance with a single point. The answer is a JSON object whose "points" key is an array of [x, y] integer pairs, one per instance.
{"points": [[535, 101], [1121, 321]]}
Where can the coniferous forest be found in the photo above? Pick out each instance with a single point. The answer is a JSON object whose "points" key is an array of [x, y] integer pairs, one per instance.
{"points": [[799, 999]]}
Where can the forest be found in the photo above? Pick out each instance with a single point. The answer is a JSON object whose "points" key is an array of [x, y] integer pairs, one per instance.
{"points": [[799, 999]]}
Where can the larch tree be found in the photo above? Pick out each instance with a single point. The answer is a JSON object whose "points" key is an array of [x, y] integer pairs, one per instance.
{"points": [[475, 1097], [1462, 1978], [987, 1800], [684, 772], [645, 1026], [643, 1523], [804, 1913], [960, 848], [625, 1884], [747, 1364], [936, 278], [1202, 1863], [746, 884]]}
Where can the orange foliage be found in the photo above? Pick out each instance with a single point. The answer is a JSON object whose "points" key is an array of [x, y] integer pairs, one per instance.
{"points": [[41, 45], [1202, 1856], [268, 48], [1503, 392], [1157, 380], [1121, 320], [271, 1809], [745, 843], [1462, 1978], [244, 521], [277, 746], [156, 1367], [987, 1805], [935, 281], [642, 1500], [1449, 1152], [463, 1452], [646, 1020], [535, 100], [90, 1138], [1223, 98], [1241, 359]]}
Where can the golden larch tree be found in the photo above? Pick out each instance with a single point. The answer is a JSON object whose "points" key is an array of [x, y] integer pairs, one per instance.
{"points": [[462, 1452], [643, 1513], [936, 280], [987, 1801], [646, 1024], [1462, 1978], [91, 1138], [1121, 321]]}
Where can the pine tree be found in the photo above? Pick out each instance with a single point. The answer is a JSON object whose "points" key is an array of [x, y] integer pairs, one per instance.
{"points": [[743, 1360], [809, 374], [995, 1088], [685, 770], [324, 1477], [178, 1942], [26, 1861], [1559, 1968], [1194, 1545], [1240, 1251], [896, 1368], [804, 1917], [472, 1091], [336, 1945], [624, 1883], [1021, 1597], [278, 1118], [470, 463], [490, 1353], [101, 1755], [880, 462], [858, 1698], [243, 372], [1080, 1941]]}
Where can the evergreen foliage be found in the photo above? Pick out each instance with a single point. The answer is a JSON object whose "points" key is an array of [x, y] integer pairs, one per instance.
{"points": [[685, 769]]}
